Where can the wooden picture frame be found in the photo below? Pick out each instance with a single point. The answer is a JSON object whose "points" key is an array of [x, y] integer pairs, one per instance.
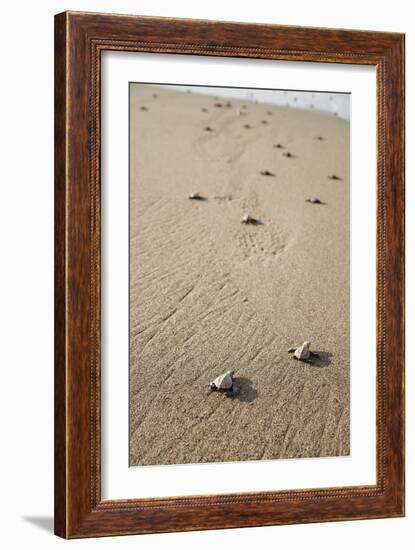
{"points": [[79, 40]]}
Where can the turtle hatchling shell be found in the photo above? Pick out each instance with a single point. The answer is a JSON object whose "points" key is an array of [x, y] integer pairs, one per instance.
{"points": [[223, 382], [303, 352]]}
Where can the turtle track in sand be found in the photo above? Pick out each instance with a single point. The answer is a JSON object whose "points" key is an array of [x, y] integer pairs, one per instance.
{"points": [[261, 242], [218, 147]]}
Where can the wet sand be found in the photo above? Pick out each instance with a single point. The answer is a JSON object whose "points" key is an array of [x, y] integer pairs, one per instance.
{"points": [[210, 294]]}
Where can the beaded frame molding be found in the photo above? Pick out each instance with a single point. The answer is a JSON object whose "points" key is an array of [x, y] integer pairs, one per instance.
{"points": [[79, 40]]}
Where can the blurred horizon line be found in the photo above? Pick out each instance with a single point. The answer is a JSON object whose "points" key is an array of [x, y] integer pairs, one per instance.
{"points": [[335, 103]]}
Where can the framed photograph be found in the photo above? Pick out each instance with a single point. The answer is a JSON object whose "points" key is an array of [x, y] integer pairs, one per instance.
{"points": [[229, 275]]}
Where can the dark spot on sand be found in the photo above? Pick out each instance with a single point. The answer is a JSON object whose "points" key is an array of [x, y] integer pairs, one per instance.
{"points": [[323, 359], [249, 220], [197, 197], [223, 197], [243, 390], [315, 200]]}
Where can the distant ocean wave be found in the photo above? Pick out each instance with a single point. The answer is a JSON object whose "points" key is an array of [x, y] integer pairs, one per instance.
{"points": [[337, 104]]}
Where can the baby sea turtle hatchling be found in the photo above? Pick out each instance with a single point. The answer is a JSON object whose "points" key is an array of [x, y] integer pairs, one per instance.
{"points": [[279, 146], [303, 352], [314, 200], [249, 220], [288, 155], [208, 129], [197, 197], [334, 177], [266, 173], [143, 108], [224, 383], [247, 126]]}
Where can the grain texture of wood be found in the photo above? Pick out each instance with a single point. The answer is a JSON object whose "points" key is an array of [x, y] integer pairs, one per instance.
{"points": [[60, 276], [79, 40]]}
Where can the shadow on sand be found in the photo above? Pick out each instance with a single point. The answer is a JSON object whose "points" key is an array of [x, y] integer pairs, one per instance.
{"points": [[252, 221], [323, 360], [245, 392]]}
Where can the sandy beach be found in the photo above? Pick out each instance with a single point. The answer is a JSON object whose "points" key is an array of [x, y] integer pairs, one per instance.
{"points": [[210, 294]]}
